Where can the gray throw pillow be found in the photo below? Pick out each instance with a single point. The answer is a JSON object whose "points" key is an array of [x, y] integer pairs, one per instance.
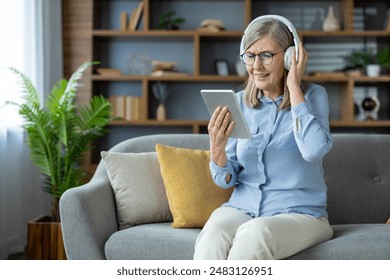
{"points": [[138, 187]]}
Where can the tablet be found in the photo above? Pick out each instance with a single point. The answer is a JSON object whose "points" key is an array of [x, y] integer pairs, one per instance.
{"points": [[226, 97]]}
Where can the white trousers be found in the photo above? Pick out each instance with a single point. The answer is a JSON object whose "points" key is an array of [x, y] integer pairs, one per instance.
{"points": [[231, 234]]}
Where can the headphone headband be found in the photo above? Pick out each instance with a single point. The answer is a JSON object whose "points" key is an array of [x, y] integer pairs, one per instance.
{"points": [[279, 18]]}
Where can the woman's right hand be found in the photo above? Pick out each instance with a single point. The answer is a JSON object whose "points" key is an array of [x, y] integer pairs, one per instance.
{"points": [[220, 128]]}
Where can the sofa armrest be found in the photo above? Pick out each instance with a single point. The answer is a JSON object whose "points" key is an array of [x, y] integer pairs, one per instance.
{"points": [[88, 219]]}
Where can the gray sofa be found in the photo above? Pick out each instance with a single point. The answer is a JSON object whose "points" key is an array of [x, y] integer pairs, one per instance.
{"points": [[357, 172]]}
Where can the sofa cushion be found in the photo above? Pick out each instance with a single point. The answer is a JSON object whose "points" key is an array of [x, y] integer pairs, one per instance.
{"points": [[138, 187], [158, 241], [352, 242], [161, 241], [192, 193]]}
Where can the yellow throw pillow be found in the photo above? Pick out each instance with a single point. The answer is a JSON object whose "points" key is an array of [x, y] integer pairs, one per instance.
{"points": [[192, 193]]}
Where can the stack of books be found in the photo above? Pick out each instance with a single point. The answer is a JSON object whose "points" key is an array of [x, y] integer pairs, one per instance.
{"points": [[125, 107], [213, 25], [165, 68]]}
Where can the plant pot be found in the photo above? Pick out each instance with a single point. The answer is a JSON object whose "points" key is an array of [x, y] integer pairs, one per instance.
{"points": [[373, 70], [44, 240], [354, 73]]}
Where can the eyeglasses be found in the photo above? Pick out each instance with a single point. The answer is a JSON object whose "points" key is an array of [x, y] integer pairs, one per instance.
{"points": [[265, 57]]}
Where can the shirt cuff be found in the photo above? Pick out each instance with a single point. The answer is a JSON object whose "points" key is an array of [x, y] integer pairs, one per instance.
{"points": [[215, 168], [219, 173]]}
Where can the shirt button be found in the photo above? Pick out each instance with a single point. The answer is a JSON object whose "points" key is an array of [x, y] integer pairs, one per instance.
{"points": [[377, 179]]}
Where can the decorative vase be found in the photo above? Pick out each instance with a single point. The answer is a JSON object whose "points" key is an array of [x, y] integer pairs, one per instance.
{"points": [[331, 23], [161, 113], [161, 93], [354, 73]]}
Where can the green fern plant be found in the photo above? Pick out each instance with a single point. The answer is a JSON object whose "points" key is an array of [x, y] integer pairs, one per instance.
{"points": [[383, 57], [357, 60], [168, 21], [59, 133]]}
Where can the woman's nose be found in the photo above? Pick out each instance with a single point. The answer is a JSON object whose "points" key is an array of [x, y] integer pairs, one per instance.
{"points": [[258, 63]]}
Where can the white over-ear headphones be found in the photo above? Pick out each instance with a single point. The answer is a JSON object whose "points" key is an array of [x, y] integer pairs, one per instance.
{"points": [[288, 52]]}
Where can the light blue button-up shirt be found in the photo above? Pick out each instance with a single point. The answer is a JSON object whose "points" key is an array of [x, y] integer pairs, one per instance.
{"points": [[279, 170]]}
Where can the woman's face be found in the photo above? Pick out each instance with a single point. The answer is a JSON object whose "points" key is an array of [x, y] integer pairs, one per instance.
{"points": [[269, 77]]}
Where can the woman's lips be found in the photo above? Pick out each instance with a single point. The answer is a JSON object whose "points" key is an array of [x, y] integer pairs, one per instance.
{"points": [[260, 75]]}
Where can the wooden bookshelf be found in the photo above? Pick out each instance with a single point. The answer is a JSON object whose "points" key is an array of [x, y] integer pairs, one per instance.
{"points": [[87, 36]]}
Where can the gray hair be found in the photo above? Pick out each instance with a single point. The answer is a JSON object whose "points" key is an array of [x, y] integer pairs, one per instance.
{"points": [[284, 38], [268, 26]]}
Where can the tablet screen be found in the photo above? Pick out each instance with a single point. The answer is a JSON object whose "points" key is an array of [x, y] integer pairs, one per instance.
{"points": [[214, 98]]}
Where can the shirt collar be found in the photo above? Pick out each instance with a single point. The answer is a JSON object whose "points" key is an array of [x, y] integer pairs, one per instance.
{"points": [[266, 99]]}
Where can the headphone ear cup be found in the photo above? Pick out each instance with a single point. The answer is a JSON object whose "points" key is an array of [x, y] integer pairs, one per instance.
{"points": [[288, 58]]}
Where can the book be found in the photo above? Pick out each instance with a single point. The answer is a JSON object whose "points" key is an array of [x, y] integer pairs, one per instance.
{"points": [[112, 100], [159, 73], [108, 71], [163, 65], [131, 19], [123, 22], [136, 16], [131, 108], [210, 29], [120, 106]]}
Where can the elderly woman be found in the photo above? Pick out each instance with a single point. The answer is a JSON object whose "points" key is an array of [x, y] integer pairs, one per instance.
{"points": [[278, 206]]}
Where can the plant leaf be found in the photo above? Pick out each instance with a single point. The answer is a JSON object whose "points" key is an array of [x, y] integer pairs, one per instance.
{"points": [[31, 94]]}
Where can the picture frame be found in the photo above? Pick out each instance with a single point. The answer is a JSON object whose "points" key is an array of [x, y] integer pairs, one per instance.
{"points": [[221, 67]]}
